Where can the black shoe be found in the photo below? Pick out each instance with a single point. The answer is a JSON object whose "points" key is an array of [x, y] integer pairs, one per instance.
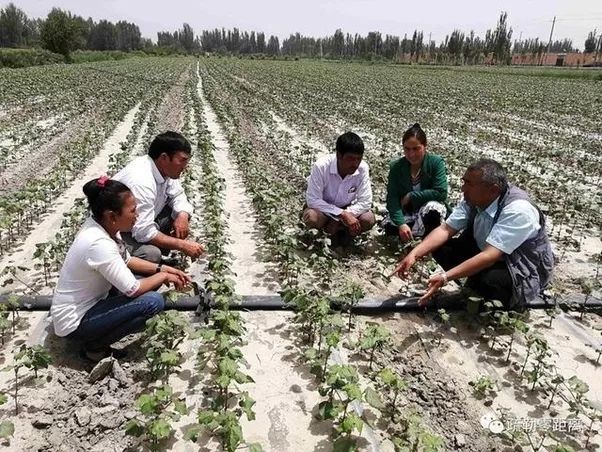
{"points": [[98, 355], [341, 238]]}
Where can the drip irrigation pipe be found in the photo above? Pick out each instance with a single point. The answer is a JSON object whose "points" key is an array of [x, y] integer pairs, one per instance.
{"points": [[202, 303]]}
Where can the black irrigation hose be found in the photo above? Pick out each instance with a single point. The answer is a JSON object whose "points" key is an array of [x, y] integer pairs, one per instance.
{"points": [[453, 301]]}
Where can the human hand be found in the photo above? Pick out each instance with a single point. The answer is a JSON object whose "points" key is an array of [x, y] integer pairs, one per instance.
{"points": [[191, 248], [405, 233], [176, 280], [402, 268], [436, 282], [351, 222], [184, 278], [181, 227]]}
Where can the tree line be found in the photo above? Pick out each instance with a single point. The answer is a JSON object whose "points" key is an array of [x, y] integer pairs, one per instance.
{"points": [[62, 32]]}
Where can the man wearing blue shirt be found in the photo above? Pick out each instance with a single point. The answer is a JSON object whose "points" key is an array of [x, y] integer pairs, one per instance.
{"points": [[503, 249]]}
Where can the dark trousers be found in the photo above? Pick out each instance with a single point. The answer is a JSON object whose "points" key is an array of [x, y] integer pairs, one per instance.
{"points": [[115, 317], [147, 251], [494, 283]]}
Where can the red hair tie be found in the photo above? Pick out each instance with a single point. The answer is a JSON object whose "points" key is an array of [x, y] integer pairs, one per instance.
{"points": [[102, 181]]}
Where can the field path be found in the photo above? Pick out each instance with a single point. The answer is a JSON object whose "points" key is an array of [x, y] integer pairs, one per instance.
{"points": [[252, 275], [49, 226]]}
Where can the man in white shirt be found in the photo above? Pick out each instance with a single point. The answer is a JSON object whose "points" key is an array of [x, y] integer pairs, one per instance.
{"points": [[163, 209], [339, 194], [503, 250]]}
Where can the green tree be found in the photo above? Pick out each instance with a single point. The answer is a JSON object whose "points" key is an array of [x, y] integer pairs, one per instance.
{"points": [[13, 26], [61, 33], [498, 41], [590, 42], [186, 38]]}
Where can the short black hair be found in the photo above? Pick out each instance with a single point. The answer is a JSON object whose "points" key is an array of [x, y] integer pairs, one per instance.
{"points": [[169, 142], [350, 143], [105, 194]]}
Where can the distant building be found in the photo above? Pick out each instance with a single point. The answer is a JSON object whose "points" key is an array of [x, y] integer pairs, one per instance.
{"points": [[557, 59]]}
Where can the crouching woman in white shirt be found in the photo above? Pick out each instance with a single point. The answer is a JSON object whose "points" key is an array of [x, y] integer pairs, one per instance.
{"points": [[97, 261]]}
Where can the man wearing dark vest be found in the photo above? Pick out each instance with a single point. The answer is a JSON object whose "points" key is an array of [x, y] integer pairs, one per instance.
{"points": [[503, 249]]}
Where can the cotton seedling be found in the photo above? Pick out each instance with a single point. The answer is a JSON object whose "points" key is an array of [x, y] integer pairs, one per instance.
{"points": [[578, 389], [394, 383], [415, 437], [483, 386], [351, 294], [158, 410], [541, 364], [341, 389], [7, 428], [34, 358], [4, 322], [163, 334], [556, 381], [515, 324], [318, 360], [225, 425], [375, 337]]}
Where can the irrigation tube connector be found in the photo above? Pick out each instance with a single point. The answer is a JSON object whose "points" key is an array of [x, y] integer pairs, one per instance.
{"points": [[202, 303]]}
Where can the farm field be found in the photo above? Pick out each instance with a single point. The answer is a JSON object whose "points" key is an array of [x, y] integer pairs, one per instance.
{"points": [[313, 379]]}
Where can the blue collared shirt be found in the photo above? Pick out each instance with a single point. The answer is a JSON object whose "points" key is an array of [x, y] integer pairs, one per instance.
{"points": [[518, 221]]}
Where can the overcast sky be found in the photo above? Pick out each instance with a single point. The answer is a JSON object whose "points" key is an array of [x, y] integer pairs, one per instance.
{"points": [[531, 18]]}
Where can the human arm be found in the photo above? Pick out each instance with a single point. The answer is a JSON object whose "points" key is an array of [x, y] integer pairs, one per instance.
{"points": [[181, 208], [363, 200], [314, 196], [433, 241], [395, 192], [188, 247], [103, 256], [486, 258], [156, 278]]}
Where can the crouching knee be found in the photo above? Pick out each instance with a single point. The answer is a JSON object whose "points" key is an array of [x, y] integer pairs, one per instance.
{"points": [[154, 303], [313, 218], [367, 220], [149, 253]]}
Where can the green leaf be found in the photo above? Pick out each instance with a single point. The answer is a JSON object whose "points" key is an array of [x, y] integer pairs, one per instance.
{"points": [[205, 417], [328, 410], [192, 433], [3, 398], [147, 404], [353, 391], [232, 435], [352, 422], [160, 428], [255, 447], [246, 403], [7, 428], [180, 407], [373, 399], [344, 444], [134, 428]]}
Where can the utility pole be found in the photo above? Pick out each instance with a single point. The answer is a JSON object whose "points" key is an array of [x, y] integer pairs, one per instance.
{"points": [[550, 41]]}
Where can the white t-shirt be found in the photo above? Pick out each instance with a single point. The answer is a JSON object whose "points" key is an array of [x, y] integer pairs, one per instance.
{"points": [[95, 262]]}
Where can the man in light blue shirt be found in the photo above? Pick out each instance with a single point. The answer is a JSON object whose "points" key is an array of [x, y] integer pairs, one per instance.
{"points": [[503, 249]]}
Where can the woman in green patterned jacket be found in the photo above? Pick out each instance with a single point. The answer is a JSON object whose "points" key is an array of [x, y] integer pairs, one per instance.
{"points": [[416, 190]]}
